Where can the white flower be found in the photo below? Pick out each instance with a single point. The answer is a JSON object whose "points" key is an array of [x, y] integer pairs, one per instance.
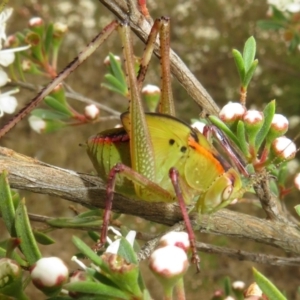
{"points": [[292, 6], [37, 124], [114, 246], [7, 56], [4, 16], [3, 78], [8, 104]]}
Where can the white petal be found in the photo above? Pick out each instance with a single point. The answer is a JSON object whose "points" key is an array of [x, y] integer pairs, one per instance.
{"points": [[3, 78], [6, 58], [8, 104], [37, 124]]}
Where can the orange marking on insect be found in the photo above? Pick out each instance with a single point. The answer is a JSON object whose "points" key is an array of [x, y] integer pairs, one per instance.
{"points": [[206, 154]]}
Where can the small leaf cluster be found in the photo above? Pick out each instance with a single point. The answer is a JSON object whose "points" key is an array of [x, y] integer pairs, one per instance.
{"points": [[286, 23], [41, 60]]}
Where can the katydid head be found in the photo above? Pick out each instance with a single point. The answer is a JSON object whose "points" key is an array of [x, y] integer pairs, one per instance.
{"points": [[222, 192]]}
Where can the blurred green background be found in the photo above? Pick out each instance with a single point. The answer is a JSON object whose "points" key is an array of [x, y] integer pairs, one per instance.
{"points": [[203, 34]]}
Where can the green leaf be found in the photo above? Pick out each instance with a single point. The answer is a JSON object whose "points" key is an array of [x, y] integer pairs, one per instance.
{"points": [[297, 209], [95, 236], [97, 288], [46, 114], [42, 238], [88, 252], [76, 222], [222, 126], [24, 232], [249, 53], [241, 135], [14, 256], [58, 106], [267, 286], [114, 84], [227, 286], [127, 252], [117, 71], [239, 61], [268, 112], [48, 39], [6, 204], [250, 73], [270, 24]]}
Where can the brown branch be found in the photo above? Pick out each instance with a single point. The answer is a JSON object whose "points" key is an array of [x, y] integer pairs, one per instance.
{"points": [[26, 173]]}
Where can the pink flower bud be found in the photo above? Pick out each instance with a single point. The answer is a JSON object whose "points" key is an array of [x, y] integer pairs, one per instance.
{"points": [[169, 262], [252, 117], [150, 89], [49, 272], [151, 95], [91, 111], [284, 148], [35, 21], [175, 238], [238, 285], [280, 123], [231, 112]]}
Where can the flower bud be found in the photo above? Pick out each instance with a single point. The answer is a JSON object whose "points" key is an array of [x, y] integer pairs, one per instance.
{"points": [[218, 295], [36, 24], [279, 127], [10, 279], [238, 285], [49, 274], [59, 29], [232, 112], [37, 124], [283, 148], [35, 21], [91, 111], [253, 290], [169, 264], [175, 238], [151, 95], [10, 270], [253, 120], [107, 60]]}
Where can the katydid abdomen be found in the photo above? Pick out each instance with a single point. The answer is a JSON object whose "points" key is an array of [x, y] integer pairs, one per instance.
{"points": [[203, 175]]}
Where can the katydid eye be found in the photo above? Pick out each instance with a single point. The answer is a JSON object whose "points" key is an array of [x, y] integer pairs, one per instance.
{"points": [[227, 192]]}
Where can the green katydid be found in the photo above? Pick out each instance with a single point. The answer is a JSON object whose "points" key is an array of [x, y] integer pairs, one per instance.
{"points": [[158, 157]]}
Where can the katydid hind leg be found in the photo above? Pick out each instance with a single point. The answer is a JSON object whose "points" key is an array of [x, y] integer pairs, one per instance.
{"points": [[174, 176], [154, 193]]}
